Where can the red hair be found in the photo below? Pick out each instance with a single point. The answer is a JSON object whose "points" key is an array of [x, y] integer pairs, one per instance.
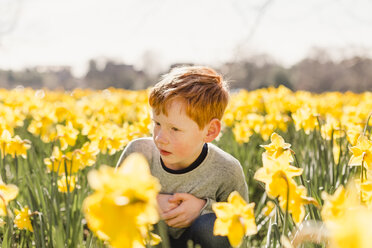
{"points": [[202, 89]]}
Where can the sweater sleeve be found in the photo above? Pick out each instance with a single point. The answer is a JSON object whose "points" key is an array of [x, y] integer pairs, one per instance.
{"points": [[141, 145], [128, 150], [207, 207]]}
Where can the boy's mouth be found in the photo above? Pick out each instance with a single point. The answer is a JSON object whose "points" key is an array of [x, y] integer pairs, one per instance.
{"points": [[164, 152]]}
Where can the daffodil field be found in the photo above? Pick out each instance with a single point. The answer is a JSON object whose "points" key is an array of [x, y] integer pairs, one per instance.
{"points": [[307, 160]]}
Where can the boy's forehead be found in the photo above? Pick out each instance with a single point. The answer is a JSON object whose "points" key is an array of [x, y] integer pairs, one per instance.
{"points": [[175, 106], [175, 112]]}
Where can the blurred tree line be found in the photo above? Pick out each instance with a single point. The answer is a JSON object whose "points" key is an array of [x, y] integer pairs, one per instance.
{"points": [[311, 74], [112, 75], [316, 74]]}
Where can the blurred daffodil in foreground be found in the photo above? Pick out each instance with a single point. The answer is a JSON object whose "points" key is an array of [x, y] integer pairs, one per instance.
{"points": [[126, 194], [7, 193], [353, 230], [348, 220], [235, 219], [365, 189], [22, 219]]}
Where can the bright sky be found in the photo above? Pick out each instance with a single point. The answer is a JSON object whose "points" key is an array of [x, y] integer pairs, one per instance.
{"points": [[70, 32]]}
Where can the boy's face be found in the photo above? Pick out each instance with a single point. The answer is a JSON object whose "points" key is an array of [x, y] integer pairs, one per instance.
{"points": [[177, 137]]}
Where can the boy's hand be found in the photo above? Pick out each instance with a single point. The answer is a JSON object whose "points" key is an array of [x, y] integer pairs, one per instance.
{"points": [[164, 204], [187, 211]]}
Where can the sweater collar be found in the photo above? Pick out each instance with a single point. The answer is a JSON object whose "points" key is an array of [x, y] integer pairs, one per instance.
{"points": [[192, 166]]}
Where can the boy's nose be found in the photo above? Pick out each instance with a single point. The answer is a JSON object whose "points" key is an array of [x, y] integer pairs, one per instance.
{"points": [[160, 137]]}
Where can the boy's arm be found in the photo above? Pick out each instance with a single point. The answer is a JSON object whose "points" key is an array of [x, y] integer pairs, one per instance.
{"points": [[191, 207], [187, 211]]}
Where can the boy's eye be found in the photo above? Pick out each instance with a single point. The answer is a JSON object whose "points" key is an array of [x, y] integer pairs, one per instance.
{"points": [[175, 129], [157, 123]]}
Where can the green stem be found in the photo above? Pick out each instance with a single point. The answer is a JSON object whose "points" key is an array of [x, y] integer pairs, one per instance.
{"points": [[365, 127], [3, 170], [269, 232], [298, 166], [362, 170], [16, 167], [286, 207]]}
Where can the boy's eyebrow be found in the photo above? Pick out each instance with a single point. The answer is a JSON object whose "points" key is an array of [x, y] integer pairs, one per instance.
{"points": [[169, 123]]}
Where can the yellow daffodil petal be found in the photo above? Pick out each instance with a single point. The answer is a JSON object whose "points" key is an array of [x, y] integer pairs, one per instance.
{"points": [[236, 232]]}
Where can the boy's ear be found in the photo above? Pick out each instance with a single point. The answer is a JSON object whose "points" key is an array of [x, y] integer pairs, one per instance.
{"points": [[214, 128]]}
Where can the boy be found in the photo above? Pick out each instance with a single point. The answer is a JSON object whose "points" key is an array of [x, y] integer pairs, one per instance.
{"points": [[187, 107]]}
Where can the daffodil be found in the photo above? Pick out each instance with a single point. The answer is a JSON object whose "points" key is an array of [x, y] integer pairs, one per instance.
{"points": [[43, 123], [266, 130], [19, 147], [354, 229], [22, 219], [331, 128], [57, 161], [13, 146], [305, 118], [242, 133], [362, 153], [5, 140], [87, 154], [336, 205], [66, 184], [353, 132], [296, 198], [349, 221], [273, 172], [235, 219], [67, 135], [254, 121], [7, 193], [109, 137], [62, 111], [63, 164], [11, 116], [228, 118], [365, 189], [128, 194], [278, 121], [277, 174], [277, 147], [289, 193]]}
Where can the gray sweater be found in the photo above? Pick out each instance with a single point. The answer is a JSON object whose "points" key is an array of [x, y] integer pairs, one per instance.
{"points": [[213, 180]]}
